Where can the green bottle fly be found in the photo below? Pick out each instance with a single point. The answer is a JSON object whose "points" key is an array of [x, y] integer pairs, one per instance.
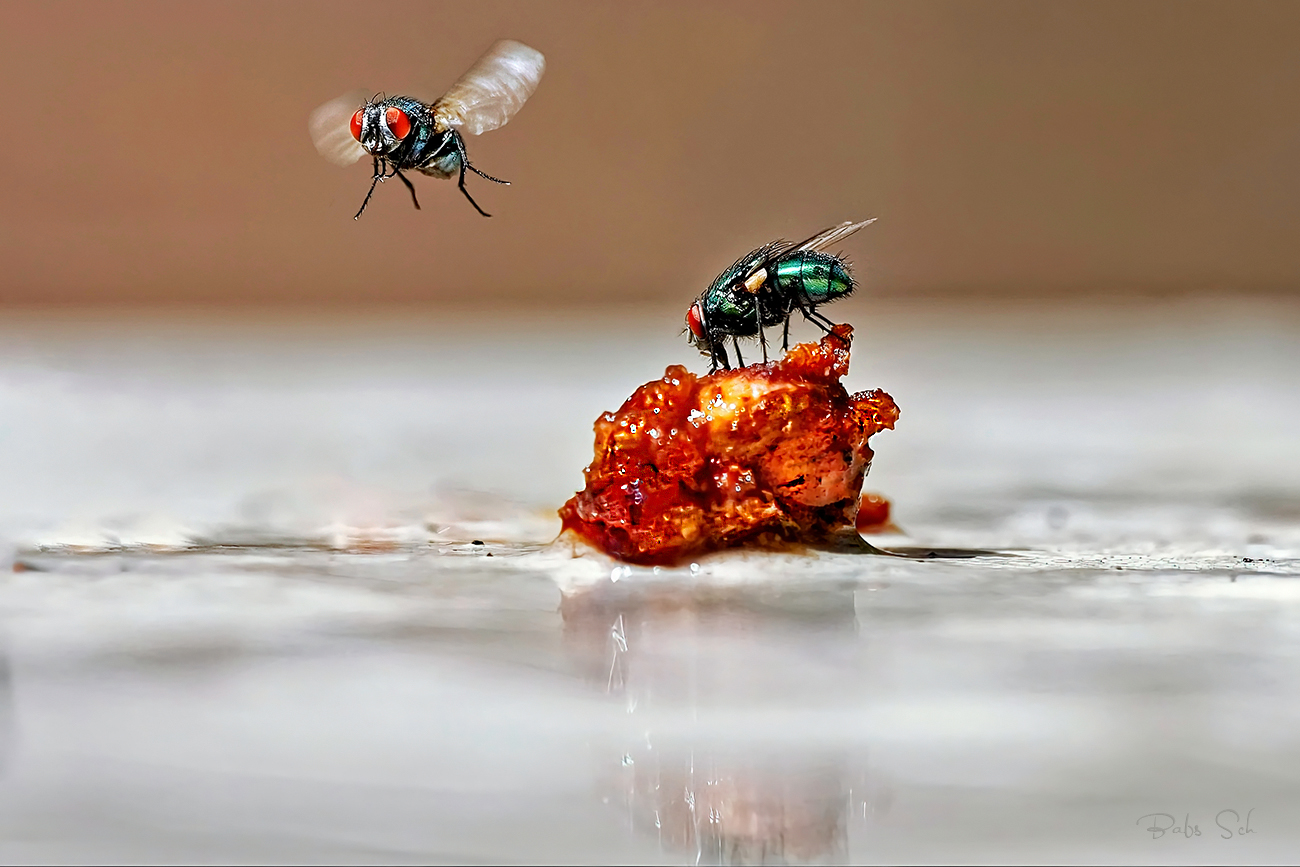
{"points": [[765, 288]]}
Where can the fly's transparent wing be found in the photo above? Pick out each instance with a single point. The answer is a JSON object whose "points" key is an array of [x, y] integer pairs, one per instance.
{"points": [[762, 257], [330, 130], [832, 236], [493, 90]]}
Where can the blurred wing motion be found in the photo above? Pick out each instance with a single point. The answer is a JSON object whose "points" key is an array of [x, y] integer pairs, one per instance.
{"points": [[330, 131], [830, 237], [493, 90]]}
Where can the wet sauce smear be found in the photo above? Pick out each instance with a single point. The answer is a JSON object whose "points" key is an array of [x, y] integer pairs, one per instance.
{"points": [[767, 454]]}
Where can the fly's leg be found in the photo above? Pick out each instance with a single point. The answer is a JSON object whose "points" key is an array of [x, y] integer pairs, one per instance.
{"points": [[785, 336], [762, 338], [358, 214], [464, 161], [740, 359], [823, 320], [819, 318], [810, 312], [461, 184], [719, 354], [410, 186], [464, 164], [374, 180], [486, 175], [818, 323]]}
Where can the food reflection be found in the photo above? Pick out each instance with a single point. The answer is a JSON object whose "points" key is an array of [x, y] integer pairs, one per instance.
{"points": [[6, 710], [713, 763]]}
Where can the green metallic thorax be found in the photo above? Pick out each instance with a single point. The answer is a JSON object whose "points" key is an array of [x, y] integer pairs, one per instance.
{"points": [[729, 307]]}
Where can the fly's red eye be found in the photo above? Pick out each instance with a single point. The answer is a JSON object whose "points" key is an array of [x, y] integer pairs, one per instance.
{"points": [[356, 124], [695, 321], [398, 123]]}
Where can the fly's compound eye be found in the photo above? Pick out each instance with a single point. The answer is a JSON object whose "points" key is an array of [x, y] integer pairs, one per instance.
{"points": [[398, 123], [695, 321], [356, 124]]}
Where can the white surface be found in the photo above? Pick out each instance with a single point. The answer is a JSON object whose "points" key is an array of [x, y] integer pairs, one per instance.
{"points": [[425, 702]]}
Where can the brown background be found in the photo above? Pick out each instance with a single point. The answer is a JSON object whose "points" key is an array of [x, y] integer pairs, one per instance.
{"points": [[158, 153]]}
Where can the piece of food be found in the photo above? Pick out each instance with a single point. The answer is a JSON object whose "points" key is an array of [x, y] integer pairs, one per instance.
{"points": [[873, 516], [767, 454]]}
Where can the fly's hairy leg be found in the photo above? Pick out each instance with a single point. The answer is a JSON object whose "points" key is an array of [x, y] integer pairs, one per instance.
{"points": [[719, 353], [374, 180], [464, 162], [740, 359], [482, 174], [410, 186], [825, 321], [817, 322], [808, 309]]}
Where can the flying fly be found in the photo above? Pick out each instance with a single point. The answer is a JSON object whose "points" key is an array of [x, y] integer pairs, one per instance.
{"points": [[402, 133]]}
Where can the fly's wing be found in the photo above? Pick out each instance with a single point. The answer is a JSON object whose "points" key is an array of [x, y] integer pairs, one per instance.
{"points": [[492, 91], [762, 257], [330, 130], [747, 266], [830, 237]]}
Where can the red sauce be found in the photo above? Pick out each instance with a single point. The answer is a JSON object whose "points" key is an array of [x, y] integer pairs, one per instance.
{"points": [[769, 453]]}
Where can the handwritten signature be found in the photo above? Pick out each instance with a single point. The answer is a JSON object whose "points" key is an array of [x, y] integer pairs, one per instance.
{"points": [[1229, 822]]}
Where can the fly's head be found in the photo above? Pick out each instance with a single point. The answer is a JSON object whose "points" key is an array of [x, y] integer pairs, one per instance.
{"points": [[380, 127], [697, 329]]}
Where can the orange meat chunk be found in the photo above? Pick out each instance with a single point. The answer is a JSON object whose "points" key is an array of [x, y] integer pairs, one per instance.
{"points": [[767, 454]]}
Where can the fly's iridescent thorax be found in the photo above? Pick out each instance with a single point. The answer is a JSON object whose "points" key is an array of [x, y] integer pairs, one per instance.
{"points": [[383, 126], [819, 277], [728, 310], [732, 280]]}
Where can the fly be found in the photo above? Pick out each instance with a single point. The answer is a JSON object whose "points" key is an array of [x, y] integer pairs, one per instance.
{"points": [[401, 133], [765, 288]]}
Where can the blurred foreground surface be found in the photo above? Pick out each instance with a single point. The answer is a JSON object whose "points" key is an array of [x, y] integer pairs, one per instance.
{"points": [[243, 619]]}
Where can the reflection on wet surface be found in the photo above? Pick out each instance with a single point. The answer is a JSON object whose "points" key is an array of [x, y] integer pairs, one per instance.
{"points": [[699, 788]]}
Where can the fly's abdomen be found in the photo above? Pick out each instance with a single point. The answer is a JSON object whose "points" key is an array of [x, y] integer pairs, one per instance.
{"points": [[815, 277], [436, 155], [443, 165]]}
